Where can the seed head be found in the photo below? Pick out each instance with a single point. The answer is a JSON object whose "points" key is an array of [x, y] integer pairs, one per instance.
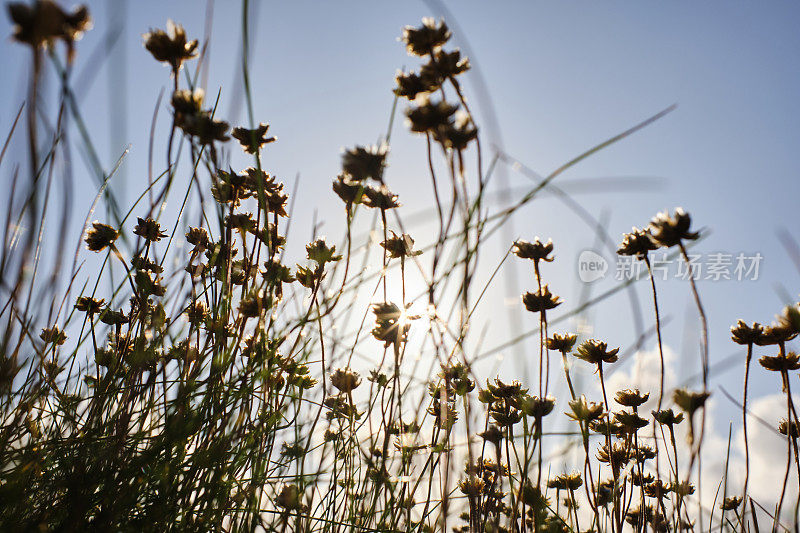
{"points": [[583, 411], [631, 397], [428, 117], [363, 162], [689, 401], [400, 246], [149, 229], [667, 417], [781, 362], [100, 237], [629, 422], [345, 380], [775, 334], [541, 300], [252, 140], [44, 22], [596, 352], [89, 305], [789, 428], [637, 243], [170, 46], [741, 333], [536, 250], [561, 343], [350, 191], [380, 197], [427, 38], [669, 230], [53, 336]]}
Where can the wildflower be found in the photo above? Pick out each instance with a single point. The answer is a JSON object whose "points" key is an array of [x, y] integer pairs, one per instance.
{"points": [[492, 434], [637, 243], [667, 417], [362, 162], [472, 487], [345, 380], [618, 456], [669, 230], [629, 422], [583, 411], [561, 343], [596, 352], [731, 503], [656, 489], [571, 481], [144, 263], [252, 140], [187, 103], [741, 333], [644, 453], [427, 38], [781, 362], [689, 401], [170, 46], [290, 498], [537, 407], [100, 237], [789, 428], [400, 246], [243, 222], [319, 252], [444, 414], [456, 135], [348, 190], [53, 335], [428, 116], [790, 318], [775, 334], [149, 229], [89, 305], [505, 417], [253, 304], [198, 237], [112, 317], [444, 65], [203, 127], [148, 284], [269, 235], [682, 488], [391, 324], [639, 515], [40, 24], [380, 198], [409, 85], [307, 277], [604, 492], [631, 397], [641, 479], [536, 250], [541, 300], [505, 391], [606, 427]]}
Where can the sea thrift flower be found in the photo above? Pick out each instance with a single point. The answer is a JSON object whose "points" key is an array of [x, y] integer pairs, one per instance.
{"points": [[541, 300], [427, 38], [669, 230], [100, 237], [170, 46], [252, 140], [637, 243]]}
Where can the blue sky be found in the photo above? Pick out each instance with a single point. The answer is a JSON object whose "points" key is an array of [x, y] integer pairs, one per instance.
{"points": [[562, 77]]}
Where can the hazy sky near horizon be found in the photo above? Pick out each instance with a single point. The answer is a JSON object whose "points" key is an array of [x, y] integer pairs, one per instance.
{"points": [[560, 77]]}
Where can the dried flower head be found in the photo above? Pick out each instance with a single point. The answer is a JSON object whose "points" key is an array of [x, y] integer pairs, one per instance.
{"points": [[571, 481], [391, 324], [731, 503], [350, 191], [667, 417], [631, 397], [170, 46], [290, 498], [458, 134], [53, 335], [617, 456], [741, 333], [492, 434], [345, 380], [428, 117], [426, 39], [322, 254], [775, 334], [89, 305], [100, 237], [380, 197], [149, 229], [562, 343], [541, 300], [596, 352], [629, 422], [669, 230], [363, 162], [198, 237], [637, 243], [252, 140], [536, 250], [444, 65], [583, 411], [537, 407], [790, 318], [689, 401], [409, 85], [44, 22], [400, 246], [781, 362]]}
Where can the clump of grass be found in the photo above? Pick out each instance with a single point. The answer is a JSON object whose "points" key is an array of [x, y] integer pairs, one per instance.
{"points": [[208, 388]]}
